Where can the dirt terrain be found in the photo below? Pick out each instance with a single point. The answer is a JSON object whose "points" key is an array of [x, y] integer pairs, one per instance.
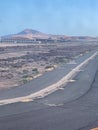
{"points": [[20, 63]]}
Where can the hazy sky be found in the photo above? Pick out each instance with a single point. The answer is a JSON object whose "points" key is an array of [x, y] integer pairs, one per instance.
{"points": [[69, 17]]}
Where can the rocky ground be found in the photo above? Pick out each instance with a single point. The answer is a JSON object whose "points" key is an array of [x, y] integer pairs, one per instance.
{"points": [[20, 63]]}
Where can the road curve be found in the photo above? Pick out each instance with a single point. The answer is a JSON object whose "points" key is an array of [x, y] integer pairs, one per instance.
{"points": [[74, 107], [52, 88]]}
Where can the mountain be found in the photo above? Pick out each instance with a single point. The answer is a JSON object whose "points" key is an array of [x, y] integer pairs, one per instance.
{"points": [[34, 34], [27, 34], [29, 31]]}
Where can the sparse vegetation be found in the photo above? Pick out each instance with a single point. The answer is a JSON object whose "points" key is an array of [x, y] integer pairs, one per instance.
{"points": [[49, 67], [25, 62], [25, 71]]}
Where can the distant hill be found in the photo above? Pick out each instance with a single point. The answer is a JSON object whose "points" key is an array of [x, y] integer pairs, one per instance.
{"points": [[31, 34], [28, 33]]}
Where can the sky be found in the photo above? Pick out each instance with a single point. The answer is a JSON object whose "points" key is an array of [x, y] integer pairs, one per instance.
{"points": [[68, 17]]}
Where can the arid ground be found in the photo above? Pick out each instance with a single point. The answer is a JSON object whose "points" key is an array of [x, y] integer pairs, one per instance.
{"points": [[20, 63]]}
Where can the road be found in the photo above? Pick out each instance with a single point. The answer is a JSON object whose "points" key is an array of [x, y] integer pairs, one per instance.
{"points": [[72, 107], [43, 81]]}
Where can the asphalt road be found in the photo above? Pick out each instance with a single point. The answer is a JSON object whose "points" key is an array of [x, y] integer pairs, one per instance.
{"points": [[75, 107], [43, 81]]}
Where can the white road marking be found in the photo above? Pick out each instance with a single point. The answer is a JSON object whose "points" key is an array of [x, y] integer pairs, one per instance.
{"points": [[53, 105], [50, 89], [72, 80], [61, 88]]}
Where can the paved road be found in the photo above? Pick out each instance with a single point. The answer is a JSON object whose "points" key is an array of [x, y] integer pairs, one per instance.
{"points": [[41, 82], [55, 86], [73, 108]]}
